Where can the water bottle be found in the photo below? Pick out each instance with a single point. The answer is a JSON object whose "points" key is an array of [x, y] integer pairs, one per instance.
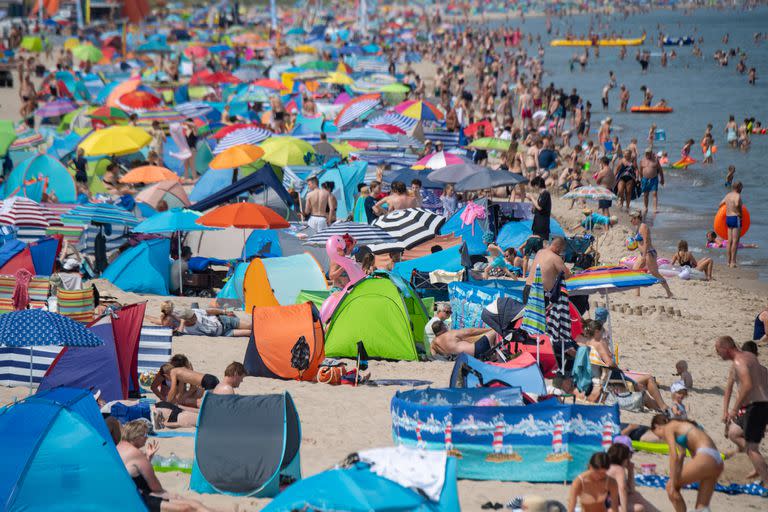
{"points": [[185, 464], [160, 461], [173, 461]]}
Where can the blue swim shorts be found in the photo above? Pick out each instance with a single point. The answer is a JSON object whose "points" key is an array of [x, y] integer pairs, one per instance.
{"points": [[649, 184], [733, 221]]}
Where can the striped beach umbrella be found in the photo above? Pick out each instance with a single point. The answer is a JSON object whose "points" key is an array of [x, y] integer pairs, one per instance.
{"points": [[439, 160], [21, 211], [418, 109], [251, 136], [364, 234], [100, 213], [27, 139], [591, 193], [356, 108], [410, 227], [608, 279], [56, 108], [534, 315]]}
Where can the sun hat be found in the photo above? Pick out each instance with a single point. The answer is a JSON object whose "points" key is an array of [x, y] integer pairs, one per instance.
{"points": [[677, 386], [625, 440]]}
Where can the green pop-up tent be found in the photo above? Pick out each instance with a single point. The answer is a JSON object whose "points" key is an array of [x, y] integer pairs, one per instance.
{"points": [[385, 313]]}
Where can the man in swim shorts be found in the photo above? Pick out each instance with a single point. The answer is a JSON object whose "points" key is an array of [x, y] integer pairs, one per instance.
{"points": [[752, 379], [182, 377], [652, 176], [733, 207], [473, 341]]}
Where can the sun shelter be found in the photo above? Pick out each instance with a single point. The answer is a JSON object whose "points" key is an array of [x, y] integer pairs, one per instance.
{"points": [[245, 444], [145, 268], [363, 487], [58, 454], [273, 281], [522, 372], [495, 437], [111, 367], [280, 336], [382, 311]]}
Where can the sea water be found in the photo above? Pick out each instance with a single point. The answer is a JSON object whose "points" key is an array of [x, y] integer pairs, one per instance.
{"points": [[701, 92]]}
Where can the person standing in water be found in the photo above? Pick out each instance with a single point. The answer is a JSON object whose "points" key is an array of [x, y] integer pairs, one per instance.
{"points": [[733, 209], [730, 132]]}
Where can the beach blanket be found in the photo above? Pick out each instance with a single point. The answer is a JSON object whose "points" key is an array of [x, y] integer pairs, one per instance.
{"points": [[660, 482]]}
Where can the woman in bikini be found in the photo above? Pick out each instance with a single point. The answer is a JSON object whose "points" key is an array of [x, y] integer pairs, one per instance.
{"points": [[594, 489], [705, 465], [684, 257], [648, 255]]}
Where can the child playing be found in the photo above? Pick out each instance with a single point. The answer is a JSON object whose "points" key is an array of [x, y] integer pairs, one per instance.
{"points": [[679, 393], [681, 370], [729, 177]]}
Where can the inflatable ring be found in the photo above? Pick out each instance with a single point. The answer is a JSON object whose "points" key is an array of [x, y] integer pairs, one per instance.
{"points": [[719, 224]]}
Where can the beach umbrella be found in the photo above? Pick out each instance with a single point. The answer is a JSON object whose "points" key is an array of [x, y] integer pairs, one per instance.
{"points": [[148, 174], [7, 135], [22, 211], [36, 327], [100, 213], [326, 150], [32, 44], [488, 178], [56, 108], [367, 135], [243, 136], [248, 74], [305, 48], [418, 109], [252, 95], [243, 215], [226, 130], [284, 151], [196, 51], [171, 191], [319, 65], [410, 227], [115, 140], [591, 193], [163, 115], [236, 156], [455, 173], [395, 88], [27, 139], [155, 46], [364, 234], [268, 83], [406, 124], [176, 220], [87, 52], [534, 314], [490, 143], [439, 160], [344, 148], [338, 79], [111, 114], [484, 127], [207, 77], [356, 108], [139, 100], [408, 175]]}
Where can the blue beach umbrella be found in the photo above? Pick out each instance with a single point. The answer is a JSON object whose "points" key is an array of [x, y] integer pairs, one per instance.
{"points": [[101, 213], [36, 327]]}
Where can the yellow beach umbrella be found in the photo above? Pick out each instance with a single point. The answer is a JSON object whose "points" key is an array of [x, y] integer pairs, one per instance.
{"points": [[115, 140], [87, 52], [338, 78], [71, 43], [32, 44], [304, 48], [283, 151], [344, 148]]}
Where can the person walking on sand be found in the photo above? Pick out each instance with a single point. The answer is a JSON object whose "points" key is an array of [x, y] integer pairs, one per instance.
{"points": [[648, 255], [752, 398], [652, 175], [705, 465], [316, 205], [733, 208]]}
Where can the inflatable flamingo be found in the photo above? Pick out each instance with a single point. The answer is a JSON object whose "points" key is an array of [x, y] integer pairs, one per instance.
{"points": [[335, 246]]}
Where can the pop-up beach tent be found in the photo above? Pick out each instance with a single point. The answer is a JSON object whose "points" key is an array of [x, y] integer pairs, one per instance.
{"points": [[245, 444], [273, 281], [280, 332], [382, 311], [58, 454], [144, 268]]}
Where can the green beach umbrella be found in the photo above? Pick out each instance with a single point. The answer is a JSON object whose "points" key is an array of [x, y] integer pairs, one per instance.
{"points": [[87, 52], [492, 143], [7, 135], [395, 88], [32, 44]]}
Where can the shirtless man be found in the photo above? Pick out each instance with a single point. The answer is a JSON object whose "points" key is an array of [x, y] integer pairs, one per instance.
{"points": [[751, 378], [623, 97], [396, 200], [652, 177], [181, 377], [733, 206], [316, 209], [472, 341], [551, 264]]}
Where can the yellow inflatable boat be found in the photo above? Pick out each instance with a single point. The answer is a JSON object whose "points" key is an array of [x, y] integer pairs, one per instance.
{"points": [[598, 42]]}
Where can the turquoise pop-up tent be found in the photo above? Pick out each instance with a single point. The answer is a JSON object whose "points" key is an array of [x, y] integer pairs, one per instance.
{"points": [[59, 455], [144, 268], [46, 170]]}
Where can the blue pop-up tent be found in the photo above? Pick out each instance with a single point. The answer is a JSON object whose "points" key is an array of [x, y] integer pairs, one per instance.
{"points": [[144, 268], [447, 259], [58, 453], [514, 234]]}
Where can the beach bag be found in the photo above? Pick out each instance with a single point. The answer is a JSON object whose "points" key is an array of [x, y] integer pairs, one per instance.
{"points": [[331, 374], [631, 401]]}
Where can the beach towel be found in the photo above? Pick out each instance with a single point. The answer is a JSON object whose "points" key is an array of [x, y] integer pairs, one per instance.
{"points": [[534, 317], [559, 318], [20, 292], [660, 482], [177, 134], [421, 470]]}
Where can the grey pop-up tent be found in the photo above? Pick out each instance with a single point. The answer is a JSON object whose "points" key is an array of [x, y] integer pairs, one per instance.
{"points": [[246, 445]]}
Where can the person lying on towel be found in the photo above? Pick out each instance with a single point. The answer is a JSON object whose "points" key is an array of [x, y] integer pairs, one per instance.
{"points": [[474, 341]]}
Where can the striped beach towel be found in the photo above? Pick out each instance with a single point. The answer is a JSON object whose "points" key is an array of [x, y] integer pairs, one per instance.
{"points": [[154, 351], [534, 316], [76, 304]]}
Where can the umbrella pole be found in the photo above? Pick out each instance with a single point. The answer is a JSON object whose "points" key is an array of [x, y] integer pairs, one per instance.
{"points": [[30, 369], [178, 247]]}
